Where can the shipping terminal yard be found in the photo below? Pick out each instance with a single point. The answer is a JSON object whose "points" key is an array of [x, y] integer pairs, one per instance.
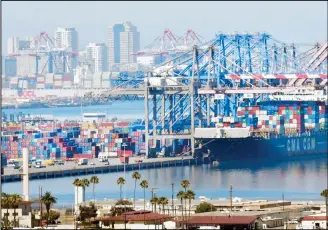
{"points": [[208, 106]]}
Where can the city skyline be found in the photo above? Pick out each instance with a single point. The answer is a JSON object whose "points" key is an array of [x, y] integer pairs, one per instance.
{"points": [[204, 22]]}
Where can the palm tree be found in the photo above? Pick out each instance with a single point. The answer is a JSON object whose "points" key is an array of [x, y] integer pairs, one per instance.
{"points": [[5, 204], [15, 200], [154, 201], [180, 196], [144, 185], [84, 183], [121, 182], [324, 194], [163, 201], [94, 180], [185, 184], [136, 176], [47, 199], [190, 195]]}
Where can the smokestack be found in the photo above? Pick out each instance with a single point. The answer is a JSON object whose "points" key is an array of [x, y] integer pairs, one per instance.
{"points": [[25, 175]]}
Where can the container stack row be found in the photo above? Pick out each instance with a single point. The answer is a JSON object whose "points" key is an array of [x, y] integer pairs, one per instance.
{"points": [[270, 117]]}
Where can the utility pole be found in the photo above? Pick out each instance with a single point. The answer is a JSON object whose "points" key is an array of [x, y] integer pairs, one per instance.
{"points": [[283, 202], [173, 199], [230, 197]]}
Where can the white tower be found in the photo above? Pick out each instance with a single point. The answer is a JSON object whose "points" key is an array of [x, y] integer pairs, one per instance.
{"points": [[79, 197], [26, 185]]}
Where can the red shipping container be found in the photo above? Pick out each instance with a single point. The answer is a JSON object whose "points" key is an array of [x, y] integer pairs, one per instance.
{"points": [[87, 156]]}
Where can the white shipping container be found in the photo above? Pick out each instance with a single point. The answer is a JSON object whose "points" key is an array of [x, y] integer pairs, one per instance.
{"points": [[58, 76], [263, 117], [40, 85], [263, 112], [58, 83], [13, 80], [25, 84], [49, 76], [40, 79], [67, 84], [119, 140], [311, 125]]}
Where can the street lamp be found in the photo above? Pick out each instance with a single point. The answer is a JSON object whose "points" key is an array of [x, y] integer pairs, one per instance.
{"points": [[124, 145]]}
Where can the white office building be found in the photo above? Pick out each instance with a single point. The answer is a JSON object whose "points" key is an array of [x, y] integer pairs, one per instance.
{"points": [[67, 39], [16, 45], [123, 41], [97, 57]]}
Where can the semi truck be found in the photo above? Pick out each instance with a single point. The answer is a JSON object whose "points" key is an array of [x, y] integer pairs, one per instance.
{"points": [[83, 161], [104, 156]]}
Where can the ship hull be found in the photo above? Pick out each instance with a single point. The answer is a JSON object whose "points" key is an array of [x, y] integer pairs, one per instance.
{"points": [[242, 149]]}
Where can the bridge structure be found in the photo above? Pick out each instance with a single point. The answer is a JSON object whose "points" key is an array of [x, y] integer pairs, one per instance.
{"points": [[237, 69]]}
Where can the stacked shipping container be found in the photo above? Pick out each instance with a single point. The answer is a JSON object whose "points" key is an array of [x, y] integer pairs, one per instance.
{"points": [[68, 140]]}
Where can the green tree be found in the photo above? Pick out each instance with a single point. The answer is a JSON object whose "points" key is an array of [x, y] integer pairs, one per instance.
{"points": [[324, 194], [118, 208], [5, 204], [87, 212], [85, 183], [121, 182], [47, 199], [136, 176], [185, 184], [205, 207], [144, 185], [163, 201], [181, 196], [154, 201], [53, 216], [190, 195], [15, 200], [94, 180]]}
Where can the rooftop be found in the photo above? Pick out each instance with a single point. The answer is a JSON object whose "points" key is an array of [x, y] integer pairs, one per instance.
{"points": [[220, 220], [138, 216], [314, 218]]}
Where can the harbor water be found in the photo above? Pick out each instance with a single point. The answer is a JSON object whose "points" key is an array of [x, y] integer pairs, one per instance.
{"points": [[119, 109], [297, 179]]}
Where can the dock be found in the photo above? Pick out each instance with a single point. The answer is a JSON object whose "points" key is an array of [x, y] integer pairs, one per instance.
{"points": [[71, 169]]}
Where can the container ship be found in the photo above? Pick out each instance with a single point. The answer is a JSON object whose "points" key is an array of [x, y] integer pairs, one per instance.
{"points": [[276, 129]]}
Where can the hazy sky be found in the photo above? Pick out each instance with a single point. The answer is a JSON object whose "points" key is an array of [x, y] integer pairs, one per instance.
{"points": [[300, 22]]}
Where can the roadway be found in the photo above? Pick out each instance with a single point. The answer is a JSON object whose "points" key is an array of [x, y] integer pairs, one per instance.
{"points": [[68, 165]]}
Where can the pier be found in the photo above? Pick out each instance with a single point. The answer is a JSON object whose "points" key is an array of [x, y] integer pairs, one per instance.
{"points": [[72, 169]]}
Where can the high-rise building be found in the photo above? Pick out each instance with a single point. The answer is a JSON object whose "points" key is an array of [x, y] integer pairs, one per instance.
{"points": [[67, 39], [123, 41], [97, 57], [10, 67], [15, 45]]}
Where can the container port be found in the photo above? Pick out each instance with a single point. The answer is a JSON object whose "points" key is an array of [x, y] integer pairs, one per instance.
{"points": [[243, 98]]}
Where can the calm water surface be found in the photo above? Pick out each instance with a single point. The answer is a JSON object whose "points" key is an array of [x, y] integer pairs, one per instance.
{"points": [[298, 180], [119, 109]]}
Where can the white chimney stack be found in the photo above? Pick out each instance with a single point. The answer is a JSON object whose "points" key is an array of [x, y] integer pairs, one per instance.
{"points": [[26, 188]]}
